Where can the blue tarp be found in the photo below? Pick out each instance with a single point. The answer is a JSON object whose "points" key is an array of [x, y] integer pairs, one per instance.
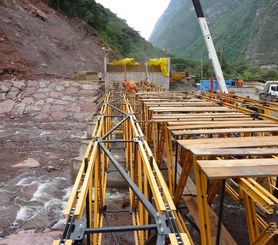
{"points": [[205, 84]]}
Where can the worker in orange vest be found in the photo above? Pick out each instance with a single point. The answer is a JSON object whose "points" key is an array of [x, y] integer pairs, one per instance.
{"points": [[240, 82], [130, 85]]}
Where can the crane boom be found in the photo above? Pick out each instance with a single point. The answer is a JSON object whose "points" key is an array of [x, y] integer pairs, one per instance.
{"points": [[210, 46]]}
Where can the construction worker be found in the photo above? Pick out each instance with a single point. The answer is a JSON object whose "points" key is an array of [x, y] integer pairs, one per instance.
{"points": [[100, 76], [130, 85], [240, 82], [144, 81]]}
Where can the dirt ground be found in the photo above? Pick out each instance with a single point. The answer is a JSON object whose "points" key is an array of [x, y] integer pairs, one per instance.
{"points": [[38, 42], [12, 64]]}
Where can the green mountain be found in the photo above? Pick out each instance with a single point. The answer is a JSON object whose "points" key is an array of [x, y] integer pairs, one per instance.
{"points": [[113, 32], [241, 29]]}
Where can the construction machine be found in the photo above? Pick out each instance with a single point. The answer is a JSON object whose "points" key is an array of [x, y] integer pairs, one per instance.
{"points": [[210, 46], [270, 92], [179, 76]]}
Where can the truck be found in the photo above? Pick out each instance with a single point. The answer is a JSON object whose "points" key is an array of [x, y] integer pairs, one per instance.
{"points": [[270, 92]]}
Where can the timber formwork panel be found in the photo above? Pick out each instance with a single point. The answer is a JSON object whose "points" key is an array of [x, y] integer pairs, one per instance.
{"points": [[185, 148], [228, 130]]}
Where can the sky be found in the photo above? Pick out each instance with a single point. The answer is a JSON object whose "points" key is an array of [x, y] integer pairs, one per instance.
{"points": [[141, 15]]}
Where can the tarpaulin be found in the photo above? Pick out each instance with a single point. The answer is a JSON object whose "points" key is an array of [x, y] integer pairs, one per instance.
{"points": [[163, 62], [126, 61], [205, 84]]}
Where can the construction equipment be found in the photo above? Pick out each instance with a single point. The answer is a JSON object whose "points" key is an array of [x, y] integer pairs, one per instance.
{"points": [[270, 92], [179, 76], [210, 46]]}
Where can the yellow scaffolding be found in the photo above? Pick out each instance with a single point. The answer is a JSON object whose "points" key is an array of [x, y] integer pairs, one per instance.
{"points": [[186, 149], [154, 215]]}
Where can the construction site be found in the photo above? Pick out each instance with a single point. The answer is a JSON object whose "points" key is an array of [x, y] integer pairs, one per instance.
{"points": [[180, 155], [131, 157]]}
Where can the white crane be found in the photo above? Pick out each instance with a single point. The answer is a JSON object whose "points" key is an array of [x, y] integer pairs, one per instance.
{"points": [[210, 46]]}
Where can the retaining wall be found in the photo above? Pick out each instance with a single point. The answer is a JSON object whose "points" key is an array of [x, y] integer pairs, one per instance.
{"points": [[48, 99]]}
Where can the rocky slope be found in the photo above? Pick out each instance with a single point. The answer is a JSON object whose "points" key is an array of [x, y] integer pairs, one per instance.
{"points": [[242, 29], [38, 41]]}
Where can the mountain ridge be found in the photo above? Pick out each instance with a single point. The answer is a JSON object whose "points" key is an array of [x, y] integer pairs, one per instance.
{"points": [[242, 29]]}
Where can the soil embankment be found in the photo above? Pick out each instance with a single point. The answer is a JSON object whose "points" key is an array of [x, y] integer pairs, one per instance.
{"points": [[36, 41]]}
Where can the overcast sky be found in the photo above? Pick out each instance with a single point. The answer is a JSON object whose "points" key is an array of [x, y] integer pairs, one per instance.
{"points": [[141, 15]]}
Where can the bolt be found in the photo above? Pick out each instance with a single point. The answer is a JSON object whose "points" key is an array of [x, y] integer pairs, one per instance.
{"points": [[161, 230], [159, 222], [80, 227]]}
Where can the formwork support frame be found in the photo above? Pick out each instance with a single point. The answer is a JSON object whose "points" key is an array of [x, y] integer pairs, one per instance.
{"points": [[149, 195]]}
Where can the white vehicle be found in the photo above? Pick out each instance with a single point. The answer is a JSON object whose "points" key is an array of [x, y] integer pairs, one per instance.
{"points": [[270, 92]]}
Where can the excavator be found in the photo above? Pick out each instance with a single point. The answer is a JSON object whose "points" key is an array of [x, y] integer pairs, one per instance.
{"points": [[210, 46]]}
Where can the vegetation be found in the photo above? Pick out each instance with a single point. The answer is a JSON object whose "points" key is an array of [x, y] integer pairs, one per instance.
{"points": [[242, 29], [235, 70], [127, 42], [113, 31]]}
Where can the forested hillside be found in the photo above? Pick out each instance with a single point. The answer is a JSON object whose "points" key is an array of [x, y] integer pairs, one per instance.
{"points": [[114, 31], [241, 29]]}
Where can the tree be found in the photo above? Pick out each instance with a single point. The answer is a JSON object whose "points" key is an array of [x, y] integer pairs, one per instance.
{"points": [[270, 75], [247, 75]]}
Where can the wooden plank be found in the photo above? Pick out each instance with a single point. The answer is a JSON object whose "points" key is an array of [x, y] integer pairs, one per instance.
{"points": [[237, 142], [199, 115], [163, 96], [170, 99], [236, 172], [220, 125], [206, 119], [229, 140], [234, 151], [173, 239], [185, 239], [229, 120], [190, 109], [225, 237], [226, 131], [179, 104], [239, 167]]}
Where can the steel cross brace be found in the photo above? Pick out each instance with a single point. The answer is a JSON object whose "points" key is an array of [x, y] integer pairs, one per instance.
{"points": [[117, 109], [80, 229], [160, 219]]}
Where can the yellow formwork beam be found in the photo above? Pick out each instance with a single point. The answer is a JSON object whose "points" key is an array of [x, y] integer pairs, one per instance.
{"points": [[268, 236], [235, 105], [201, 186], [261, 196], [254, 195], [142, 169]]}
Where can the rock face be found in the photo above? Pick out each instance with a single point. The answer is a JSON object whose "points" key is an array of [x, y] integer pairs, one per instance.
{"points": [[36, 41], [48, 99], [32, 237]]}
